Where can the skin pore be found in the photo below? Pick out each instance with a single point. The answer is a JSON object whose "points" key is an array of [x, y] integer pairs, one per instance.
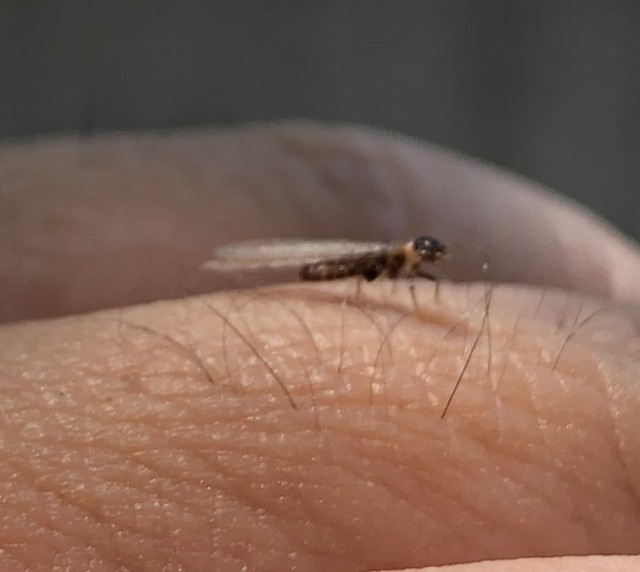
{"points": [[162, 434]]}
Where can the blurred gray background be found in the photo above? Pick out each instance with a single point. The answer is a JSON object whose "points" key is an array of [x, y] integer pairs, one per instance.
{"points": [[548, 88]]}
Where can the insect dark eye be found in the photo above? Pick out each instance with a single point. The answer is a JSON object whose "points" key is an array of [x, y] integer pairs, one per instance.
{"points": [[429, 248]]}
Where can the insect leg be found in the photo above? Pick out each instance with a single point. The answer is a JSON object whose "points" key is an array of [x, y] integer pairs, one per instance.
{"points": [[358, 290], [414, 299], [419, 273], [422, 274]]}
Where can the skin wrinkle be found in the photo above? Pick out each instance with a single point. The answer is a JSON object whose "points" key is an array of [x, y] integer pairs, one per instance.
{"points": [[537, 410], [287, 526], [80, 513], [544, 429], [479, 511], [106, 518], [525, 459], [450, 513], [241, 498], [575, 478], [101, 519], [537, 504], [235, 498], [616, 439]]}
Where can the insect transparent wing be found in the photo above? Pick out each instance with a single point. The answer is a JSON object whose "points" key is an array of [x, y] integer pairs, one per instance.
{"points": [[228, 265], [284, 253]]}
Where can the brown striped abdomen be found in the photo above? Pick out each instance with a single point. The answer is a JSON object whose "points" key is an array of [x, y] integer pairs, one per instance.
{"points": [[369, 267], [327, 271]]}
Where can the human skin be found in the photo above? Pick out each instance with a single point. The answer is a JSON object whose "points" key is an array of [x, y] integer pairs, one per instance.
{"points": [[289, 426]]}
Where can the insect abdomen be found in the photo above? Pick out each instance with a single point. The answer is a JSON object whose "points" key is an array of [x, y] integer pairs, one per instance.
{"points": [[324, 271], [369, 267]]}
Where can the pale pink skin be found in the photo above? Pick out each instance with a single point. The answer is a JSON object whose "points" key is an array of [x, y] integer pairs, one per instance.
{"points": [[155, 437]]}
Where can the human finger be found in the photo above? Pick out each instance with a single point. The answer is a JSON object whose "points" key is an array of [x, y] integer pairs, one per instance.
{"points": [[94, 223], [285, 428], [564, 564]]}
